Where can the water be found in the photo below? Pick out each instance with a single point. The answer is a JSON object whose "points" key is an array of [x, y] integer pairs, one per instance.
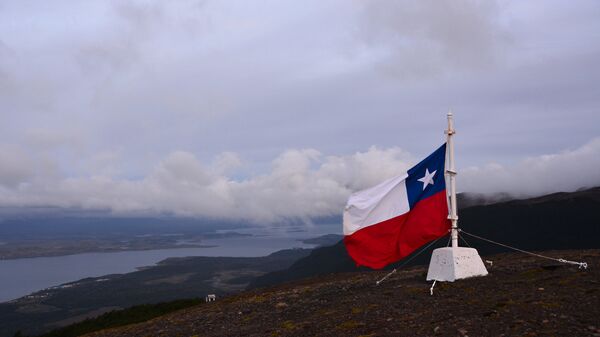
{"points": [[23, 276]]}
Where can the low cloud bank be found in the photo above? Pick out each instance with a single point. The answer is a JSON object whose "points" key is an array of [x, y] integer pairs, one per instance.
{"points": [[563, 171], [301, 184]]}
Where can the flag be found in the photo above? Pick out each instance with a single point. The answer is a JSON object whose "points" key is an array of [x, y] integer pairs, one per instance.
{"points": [[387, 222]]}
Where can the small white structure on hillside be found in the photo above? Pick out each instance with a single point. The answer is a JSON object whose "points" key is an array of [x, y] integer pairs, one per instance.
{"points": [[455, 263], [211, 298]]}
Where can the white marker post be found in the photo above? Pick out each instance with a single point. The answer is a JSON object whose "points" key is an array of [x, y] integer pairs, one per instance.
{"points": [[453, 263], [451, 176]]}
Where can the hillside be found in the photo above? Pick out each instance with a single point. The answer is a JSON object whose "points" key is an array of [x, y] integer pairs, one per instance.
{"points": [[555, 221], [522, 296], [171, 279]]}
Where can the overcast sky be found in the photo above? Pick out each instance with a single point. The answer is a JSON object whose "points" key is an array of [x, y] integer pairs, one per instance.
{"points": [[263, 110]]}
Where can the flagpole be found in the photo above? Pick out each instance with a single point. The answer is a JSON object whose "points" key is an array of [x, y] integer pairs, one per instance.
{"points": [[451, 172], [453, 263]]}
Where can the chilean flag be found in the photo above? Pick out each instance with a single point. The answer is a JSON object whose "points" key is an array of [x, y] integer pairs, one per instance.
{"points": [[387, 222]]}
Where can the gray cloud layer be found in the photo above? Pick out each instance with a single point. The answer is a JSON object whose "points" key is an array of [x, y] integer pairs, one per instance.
{"points": [[300, 184], [182, 106]]}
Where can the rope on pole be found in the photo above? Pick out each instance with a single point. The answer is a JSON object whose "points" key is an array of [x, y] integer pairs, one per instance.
{"points": [[465, 241], [407, 261], [582, 265]]}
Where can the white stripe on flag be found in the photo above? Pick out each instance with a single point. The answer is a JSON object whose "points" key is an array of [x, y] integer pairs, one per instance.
{"points": [[376, 204]]}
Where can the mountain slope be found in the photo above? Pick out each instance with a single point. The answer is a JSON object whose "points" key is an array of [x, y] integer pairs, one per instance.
{"points": [[555, 221], [521, 296]]}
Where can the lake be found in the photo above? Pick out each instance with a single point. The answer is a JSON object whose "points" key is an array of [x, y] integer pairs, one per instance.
{"points": [[20, 277]]}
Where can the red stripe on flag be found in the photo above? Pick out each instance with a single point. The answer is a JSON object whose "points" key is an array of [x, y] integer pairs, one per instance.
{"points": [[389, 241]]}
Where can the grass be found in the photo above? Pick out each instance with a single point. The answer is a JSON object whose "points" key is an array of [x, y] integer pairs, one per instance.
{"points": [[356, 310], [113, 319], [289, 325], [349, 325], [257, 299]]}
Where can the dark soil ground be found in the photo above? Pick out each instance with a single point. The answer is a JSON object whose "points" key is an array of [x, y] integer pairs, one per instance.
{"points": [[522, 296]]}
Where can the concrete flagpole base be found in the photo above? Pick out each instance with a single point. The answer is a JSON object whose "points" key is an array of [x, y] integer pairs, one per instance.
{"points": [[455, 263]]}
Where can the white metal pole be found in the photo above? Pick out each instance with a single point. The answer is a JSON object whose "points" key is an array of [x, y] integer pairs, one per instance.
{"points": [[451, 172]]}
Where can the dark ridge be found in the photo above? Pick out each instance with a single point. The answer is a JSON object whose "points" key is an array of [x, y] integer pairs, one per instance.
{"points": [[554, 221]]}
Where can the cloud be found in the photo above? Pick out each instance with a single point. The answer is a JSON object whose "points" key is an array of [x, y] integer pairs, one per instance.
{"points": [[19, 168], [16, 166], [564, 171], [230, 108], [301, 184], [427, 38], [229, 76]]}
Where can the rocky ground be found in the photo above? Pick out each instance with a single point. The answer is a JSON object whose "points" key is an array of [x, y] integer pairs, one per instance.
{"points": [[522, 296]]}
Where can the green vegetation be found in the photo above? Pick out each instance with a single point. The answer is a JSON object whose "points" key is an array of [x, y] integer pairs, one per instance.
{"points": [[349, 325], [135, 314], [289, 325]]}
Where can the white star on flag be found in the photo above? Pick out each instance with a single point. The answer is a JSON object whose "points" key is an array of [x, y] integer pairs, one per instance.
{"points": [[428, 178]]}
